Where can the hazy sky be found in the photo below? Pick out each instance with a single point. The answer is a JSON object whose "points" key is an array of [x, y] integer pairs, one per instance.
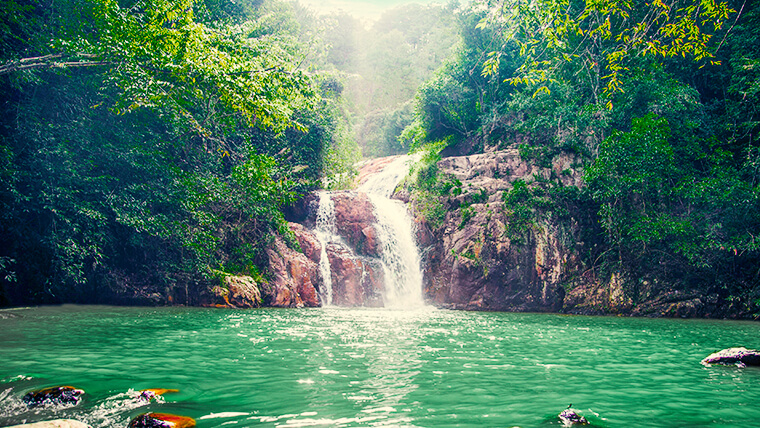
{"points": [[363, 9]]}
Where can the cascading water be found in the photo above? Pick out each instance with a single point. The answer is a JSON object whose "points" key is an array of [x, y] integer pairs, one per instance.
{"points": [[326, 232], [400, 256]]}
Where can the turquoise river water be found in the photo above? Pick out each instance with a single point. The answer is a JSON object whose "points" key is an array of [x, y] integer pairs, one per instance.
{"points": [[376, 367]]}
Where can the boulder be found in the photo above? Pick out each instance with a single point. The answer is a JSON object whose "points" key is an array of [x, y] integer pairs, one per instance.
{"points": [[570, 417], [739, 356], [57, 395], [237, 292], [58, 423], [161, 420]]}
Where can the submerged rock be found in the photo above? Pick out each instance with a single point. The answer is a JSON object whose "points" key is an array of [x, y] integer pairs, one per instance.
{"points": [[161, 420], [58, 423], [570, 417], [67, 395], [739, 356]]}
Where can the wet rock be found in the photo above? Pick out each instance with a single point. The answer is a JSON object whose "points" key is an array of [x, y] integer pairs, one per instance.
{"points": [[355, 221], [371, 167], [570, 417], [356, 281], [57, 395], [161, 420], [148, 394], [739, 356], [295, 278], [58, 423]]}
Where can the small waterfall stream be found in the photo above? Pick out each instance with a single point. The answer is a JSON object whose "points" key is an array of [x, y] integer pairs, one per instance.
{"points": [[400, 256], [326, 232]]}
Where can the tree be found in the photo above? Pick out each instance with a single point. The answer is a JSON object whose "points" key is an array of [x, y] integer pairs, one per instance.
{"points": [[145, 145], [600, 40]]}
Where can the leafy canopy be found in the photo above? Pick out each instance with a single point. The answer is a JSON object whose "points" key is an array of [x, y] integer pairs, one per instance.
{"points": [[602, 37]]}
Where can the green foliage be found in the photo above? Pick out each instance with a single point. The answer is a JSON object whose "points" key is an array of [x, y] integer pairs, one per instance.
{"points": [[602, 39], [455, 102], [146, 145], [428, 185], [695, 216], [383, 65], [381, 131]]}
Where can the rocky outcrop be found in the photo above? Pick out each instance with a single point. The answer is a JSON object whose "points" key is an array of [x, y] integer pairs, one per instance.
{"points": [[236, 292], [509, 242], [293, 281], [355, 221], [295, 276], [734, 356], [356, 281], [480, 260]]}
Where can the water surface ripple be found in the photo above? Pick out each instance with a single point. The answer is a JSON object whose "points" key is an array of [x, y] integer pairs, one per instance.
{"points": [[376, 367]]}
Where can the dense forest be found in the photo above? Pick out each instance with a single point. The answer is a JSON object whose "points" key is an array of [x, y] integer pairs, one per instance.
{"points": [[658, 105], [154, 142], [158, 142]]}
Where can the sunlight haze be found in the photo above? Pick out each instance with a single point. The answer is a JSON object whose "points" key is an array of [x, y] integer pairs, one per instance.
{"points": [[368, 10]]}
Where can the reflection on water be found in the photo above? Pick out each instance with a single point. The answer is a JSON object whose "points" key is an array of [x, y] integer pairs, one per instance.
{"points": [[376, 367]]}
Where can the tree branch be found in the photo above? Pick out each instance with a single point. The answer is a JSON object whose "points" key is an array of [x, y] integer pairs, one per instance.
{"points": [[49, 61]]}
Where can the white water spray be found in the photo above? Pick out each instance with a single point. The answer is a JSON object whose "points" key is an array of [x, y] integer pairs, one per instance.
{"points": [[400, 256], [326, 232]]}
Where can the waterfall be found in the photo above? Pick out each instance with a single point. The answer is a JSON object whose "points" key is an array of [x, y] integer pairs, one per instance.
{"points": [[326, 232], [395, 227]]}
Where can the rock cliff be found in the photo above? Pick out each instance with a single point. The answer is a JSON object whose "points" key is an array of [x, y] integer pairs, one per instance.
{"points": [[475, 260], [510, 240]]}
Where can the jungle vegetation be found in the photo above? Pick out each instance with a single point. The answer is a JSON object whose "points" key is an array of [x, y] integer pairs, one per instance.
{"points": [[159, 141], [657, 102]]}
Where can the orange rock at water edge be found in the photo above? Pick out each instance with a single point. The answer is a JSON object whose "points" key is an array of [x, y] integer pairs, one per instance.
{"points": [[58, 423], [161, 420], [67, 395], [151, 393], [740, 356]]}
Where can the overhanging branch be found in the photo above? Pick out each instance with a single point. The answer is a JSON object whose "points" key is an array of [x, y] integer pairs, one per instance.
{"points": [[51, 61]]}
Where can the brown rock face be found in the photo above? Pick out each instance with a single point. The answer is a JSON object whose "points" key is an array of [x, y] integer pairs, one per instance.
{"points": [[296, 277], [308, 241], [482, 263], [237, 292], [355, 221], [355, 281]]}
